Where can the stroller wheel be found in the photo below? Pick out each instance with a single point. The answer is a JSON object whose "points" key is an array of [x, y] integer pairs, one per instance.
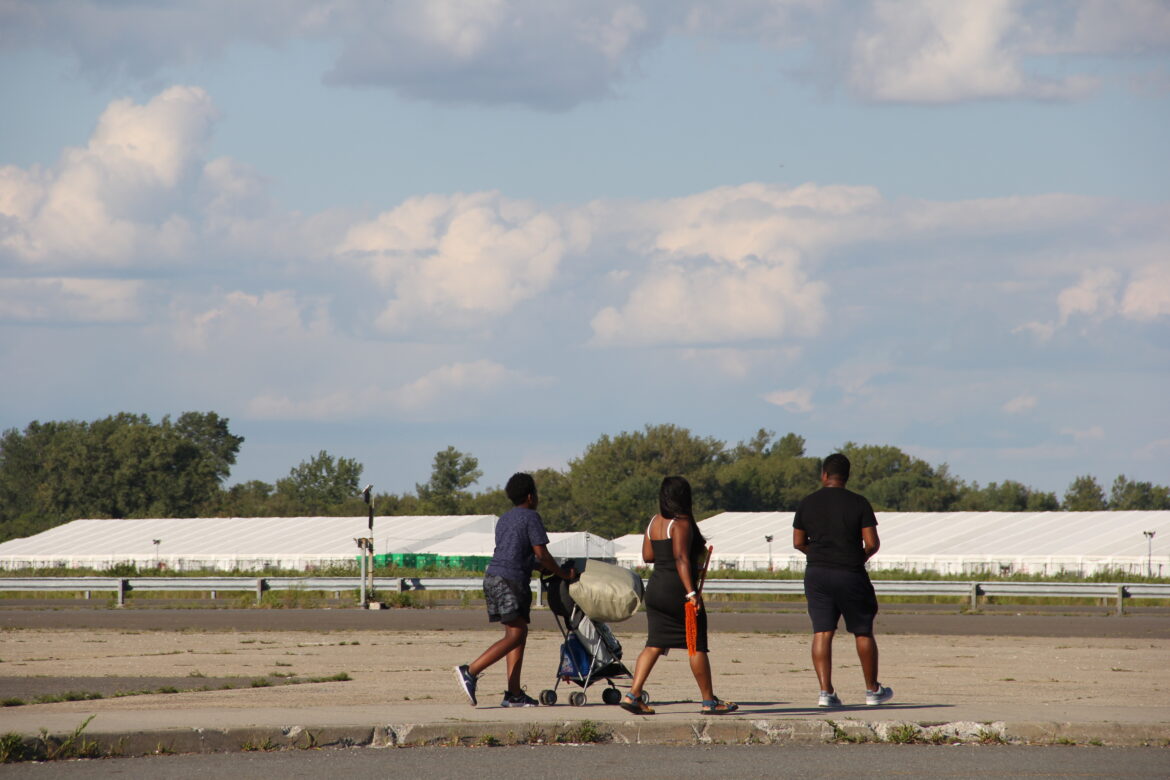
{"points": [[548, 697], [611, 696], [577, 698], [645, 697]]}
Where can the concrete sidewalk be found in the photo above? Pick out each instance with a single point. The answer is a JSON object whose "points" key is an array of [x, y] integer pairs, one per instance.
{"points": [[402, 692]]}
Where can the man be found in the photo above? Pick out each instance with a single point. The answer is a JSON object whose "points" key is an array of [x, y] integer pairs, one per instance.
{"points": [[837, 531], [521, 543]]}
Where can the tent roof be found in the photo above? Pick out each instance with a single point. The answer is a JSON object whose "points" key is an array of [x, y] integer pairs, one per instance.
{"points": [[954, 533], [210, 536]]}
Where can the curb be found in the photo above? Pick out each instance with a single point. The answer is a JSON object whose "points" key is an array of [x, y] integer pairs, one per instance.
{"points": [[702, 731]]}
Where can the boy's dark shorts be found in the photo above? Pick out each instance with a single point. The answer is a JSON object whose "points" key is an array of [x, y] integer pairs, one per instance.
{"points": [[832, 593], [507, 600]]}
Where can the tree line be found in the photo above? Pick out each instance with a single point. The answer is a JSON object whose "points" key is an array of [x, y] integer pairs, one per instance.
{"points": [[126, 466]]}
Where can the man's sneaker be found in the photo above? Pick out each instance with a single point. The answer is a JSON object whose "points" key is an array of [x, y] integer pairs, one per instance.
{"points": [[829, 700], [519, 700], [880, 696], [466, 682]]}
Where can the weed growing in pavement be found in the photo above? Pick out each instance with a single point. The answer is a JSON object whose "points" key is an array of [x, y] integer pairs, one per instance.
{"points": [[53, 698], [13, 702], [266, 746], [586, 732], [903, 734], [487, 740], [986, 737], [840, 735]]}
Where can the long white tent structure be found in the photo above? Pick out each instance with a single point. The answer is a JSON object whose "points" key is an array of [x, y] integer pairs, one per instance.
{"points": [[257, 543], [231, 543], [971, 543]]}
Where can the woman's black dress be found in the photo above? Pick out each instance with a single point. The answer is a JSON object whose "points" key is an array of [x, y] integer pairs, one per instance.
{"points": [[665, 598]]}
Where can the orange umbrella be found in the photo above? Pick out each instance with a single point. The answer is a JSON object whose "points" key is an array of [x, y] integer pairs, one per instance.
{"points": [[692, 612]]}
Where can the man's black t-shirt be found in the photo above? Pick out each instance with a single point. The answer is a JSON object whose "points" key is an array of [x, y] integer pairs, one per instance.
{"points": [[833, 518]]}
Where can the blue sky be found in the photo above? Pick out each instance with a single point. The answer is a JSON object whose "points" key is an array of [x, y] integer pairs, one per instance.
{"points": [[383, 228]]}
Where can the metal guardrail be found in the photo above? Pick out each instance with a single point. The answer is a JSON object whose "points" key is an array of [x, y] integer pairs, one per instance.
{"points": [[213, 585]]}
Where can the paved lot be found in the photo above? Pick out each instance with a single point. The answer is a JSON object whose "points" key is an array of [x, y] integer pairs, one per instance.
{"points": [[1042, 678], [647, 762]]}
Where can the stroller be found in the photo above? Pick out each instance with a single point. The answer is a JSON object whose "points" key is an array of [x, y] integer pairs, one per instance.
{"points": [[590, 652]]}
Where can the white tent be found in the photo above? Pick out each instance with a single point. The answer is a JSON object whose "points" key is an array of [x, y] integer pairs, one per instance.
{"points": [[578, 544], [229, 543], [954, 542], [256, 543]]}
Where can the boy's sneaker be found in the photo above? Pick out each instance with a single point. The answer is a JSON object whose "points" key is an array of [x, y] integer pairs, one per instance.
{"points": [[466, 682], [519, 700], [880, 696], [829, 700]]}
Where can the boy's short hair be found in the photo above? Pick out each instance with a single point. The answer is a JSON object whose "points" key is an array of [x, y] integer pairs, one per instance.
{"points": [[836, 465], [520, 486]]}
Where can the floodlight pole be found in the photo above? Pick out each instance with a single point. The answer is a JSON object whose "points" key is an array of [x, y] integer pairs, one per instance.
{"points": [[768, 539], [156, 542], [368, 549], [1149, 552]]}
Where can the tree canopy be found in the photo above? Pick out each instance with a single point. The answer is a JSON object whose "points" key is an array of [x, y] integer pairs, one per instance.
{"points": [[127, 466]]}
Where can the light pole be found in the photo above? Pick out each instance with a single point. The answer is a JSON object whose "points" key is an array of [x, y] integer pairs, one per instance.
{"points": [[156, 542], [768, 539], [1149, 552]]}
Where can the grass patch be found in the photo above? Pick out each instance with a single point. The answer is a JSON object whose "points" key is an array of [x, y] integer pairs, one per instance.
{"points": [[586, 732], [14, 748], [53, 698]]}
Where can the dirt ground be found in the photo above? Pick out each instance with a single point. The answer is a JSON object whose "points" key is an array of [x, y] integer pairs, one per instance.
{"points": [[413, 662]]}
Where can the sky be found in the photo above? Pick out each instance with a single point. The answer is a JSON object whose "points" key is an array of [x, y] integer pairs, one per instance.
{"points": [[511, 226]]}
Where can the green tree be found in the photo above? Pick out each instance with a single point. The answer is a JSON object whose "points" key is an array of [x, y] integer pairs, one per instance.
{"points": [[766, 476], [118, 466], [1084, 495], [614, 484], [894, 481], [1006, 496], [322, 485], [1127, 494], [452, 473], [557, 507]]}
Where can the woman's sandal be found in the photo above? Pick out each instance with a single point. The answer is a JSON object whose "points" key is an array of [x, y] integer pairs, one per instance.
{"points": [[635, 705], [717, 706]]}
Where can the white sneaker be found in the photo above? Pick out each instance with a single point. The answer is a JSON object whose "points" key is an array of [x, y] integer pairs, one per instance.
{"points": [[828, 700], [880, 696]]}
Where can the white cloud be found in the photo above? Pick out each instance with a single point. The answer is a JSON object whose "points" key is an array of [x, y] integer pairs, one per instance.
{"points": [[555, 56], [934, 51], [1020, 404], [854, 377], [245, 322], [712, 304], [448, 391], [738, 363], [65, 299], [1094, 295], [1147, 297], [798, 400], [1092, 433], [457, 260], [115, 202]]}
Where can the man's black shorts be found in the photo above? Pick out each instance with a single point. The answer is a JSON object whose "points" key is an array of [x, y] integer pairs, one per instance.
{"points": [[507, 600], [832, 593]]}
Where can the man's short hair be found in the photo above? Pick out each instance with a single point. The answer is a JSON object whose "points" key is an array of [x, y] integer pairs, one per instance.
{"points": [[520, 486], [836, 465]]}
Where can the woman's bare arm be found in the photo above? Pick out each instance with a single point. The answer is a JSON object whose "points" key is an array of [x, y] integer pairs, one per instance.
{"points": [[680, 542]]}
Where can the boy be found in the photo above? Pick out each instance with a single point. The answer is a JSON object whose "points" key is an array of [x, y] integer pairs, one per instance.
{"points": [[521, 543]]}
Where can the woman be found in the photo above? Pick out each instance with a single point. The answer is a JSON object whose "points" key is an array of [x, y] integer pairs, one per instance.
{"points": [[675, 546]]}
